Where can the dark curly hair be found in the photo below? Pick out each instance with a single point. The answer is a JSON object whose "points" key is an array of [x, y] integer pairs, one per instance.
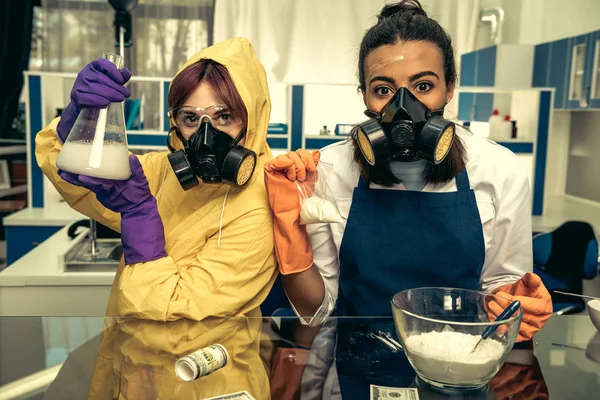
{"points": [[407, 21]]}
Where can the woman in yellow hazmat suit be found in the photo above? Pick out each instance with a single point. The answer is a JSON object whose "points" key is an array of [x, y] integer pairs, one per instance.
{"points": [[198, 244]]}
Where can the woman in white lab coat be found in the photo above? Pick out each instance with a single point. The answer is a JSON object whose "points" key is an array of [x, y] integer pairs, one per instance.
{"points": [[422, 204]]}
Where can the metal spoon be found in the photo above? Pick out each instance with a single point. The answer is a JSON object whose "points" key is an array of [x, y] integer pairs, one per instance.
{"points": [[577, 295], [506, 314]]}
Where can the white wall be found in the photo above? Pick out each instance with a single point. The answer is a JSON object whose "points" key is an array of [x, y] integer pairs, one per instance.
{"points": [[315, 41], [558, 154], [548, 20], [280, 103], [539, 21], [328, 105], [584, 161], [512, 23]]}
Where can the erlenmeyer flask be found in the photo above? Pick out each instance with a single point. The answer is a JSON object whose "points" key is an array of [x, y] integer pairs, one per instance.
{"points": [[97, 143]]}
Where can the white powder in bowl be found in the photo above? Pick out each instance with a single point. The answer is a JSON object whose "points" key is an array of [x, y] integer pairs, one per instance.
{"points": [[446, 356], [316, 209]]}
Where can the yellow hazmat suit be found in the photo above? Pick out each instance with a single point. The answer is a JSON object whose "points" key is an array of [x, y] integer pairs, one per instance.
{"points": [[220, 264]]}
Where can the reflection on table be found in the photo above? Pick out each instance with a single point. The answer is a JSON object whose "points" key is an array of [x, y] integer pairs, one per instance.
{"points": [[563, 362]]}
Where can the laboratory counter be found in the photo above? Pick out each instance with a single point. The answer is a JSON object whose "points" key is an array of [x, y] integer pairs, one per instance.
{"points": [[37, 283], [58, 214], [562, 362], [26, 229]]}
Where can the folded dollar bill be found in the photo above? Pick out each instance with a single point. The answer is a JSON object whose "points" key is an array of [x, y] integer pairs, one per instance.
{"points": [[390, 393]]}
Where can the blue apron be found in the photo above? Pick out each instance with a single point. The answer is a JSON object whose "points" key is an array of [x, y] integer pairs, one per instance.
{"points": [[396, 240]]}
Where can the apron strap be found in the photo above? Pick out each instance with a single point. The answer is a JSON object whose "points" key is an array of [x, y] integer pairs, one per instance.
{"points": [[462, 181]]}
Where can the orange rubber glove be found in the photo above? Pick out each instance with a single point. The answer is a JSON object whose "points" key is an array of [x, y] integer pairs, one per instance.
{"points": [[535, 302], [292, 245], [524, 382]]}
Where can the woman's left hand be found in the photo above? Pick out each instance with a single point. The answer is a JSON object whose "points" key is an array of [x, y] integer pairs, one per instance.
{"points": [[292, 245], [118, 196], [142, 230], [535, 301]]}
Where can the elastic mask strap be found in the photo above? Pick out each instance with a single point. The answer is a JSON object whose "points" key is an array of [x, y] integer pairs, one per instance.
{"points": [[434, 113], [438, 112], [179, 135], [239, 137], [372, 114]]}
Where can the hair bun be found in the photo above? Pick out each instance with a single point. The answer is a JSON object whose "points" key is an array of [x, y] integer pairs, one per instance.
{"points": [[405, 7]]}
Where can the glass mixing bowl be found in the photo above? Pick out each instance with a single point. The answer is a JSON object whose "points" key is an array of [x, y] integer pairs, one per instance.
{"points": [[439, 328]]}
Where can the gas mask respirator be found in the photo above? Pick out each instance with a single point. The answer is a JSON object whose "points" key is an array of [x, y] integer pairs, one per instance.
{"points": [[405, 130], [212, 156]]}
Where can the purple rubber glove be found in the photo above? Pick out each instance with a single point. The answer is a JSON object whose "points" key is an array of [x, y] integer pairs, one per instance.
{"points": [[142, 231], [98, 84]]}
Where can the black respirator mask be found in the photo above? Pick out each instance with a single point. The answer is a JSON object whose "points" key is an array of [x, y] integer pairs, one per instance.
{"points": [[213, 156], [404, 130]]}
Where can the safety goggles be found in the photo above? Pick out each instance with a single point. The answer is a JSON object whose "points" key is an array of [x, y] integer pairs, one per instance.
{"points": [[187, 118]]}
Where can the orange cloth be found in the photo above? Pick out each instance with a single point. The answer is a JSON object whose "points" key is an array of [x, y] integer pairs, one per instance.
{"points": [[535, 302], [292, 245]]}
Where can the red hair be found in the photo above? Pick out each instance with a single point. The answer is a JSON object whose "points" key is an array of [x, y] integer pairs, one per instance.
{"points": [[217, 76]]}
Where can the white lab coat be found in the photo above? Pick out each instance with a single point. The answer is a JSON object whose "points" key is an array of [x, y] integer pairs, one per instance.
{"points": [[501, 188]]}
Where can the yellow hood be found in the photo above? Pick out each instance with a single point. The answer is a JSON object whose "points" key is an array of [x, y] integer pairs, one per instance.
{"points": [[219, 269], [250, 80]]}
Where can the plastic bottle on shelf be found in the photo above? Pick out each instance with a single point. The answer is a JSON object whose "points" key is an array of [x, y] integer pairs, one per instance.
{"points": [[514, 129], [506, 130], [495, 122]]}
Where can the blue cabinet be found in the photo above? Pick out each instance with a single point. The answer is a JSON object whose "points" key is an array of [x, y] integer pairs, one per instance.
{"points": [[468, 65], [579, 55], [20, 240], [557, 77], [478, 68], [465, 106], [550, 69], [570, 65], [541, 65], [594, 78], [484, 106], [499, 66], [475, 106], [486, 67]]}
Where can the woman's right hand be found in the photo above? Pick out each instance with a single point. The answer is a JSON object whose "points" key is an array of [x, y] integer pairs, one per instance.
{"points": [[292, 246], [98, 84]]}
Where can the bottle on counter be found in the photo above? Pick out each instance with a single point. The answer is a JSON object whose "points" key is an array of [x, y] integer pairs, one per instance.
{"points": [[506, 129], [325, 131], [495, 122], [514, 129]]}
